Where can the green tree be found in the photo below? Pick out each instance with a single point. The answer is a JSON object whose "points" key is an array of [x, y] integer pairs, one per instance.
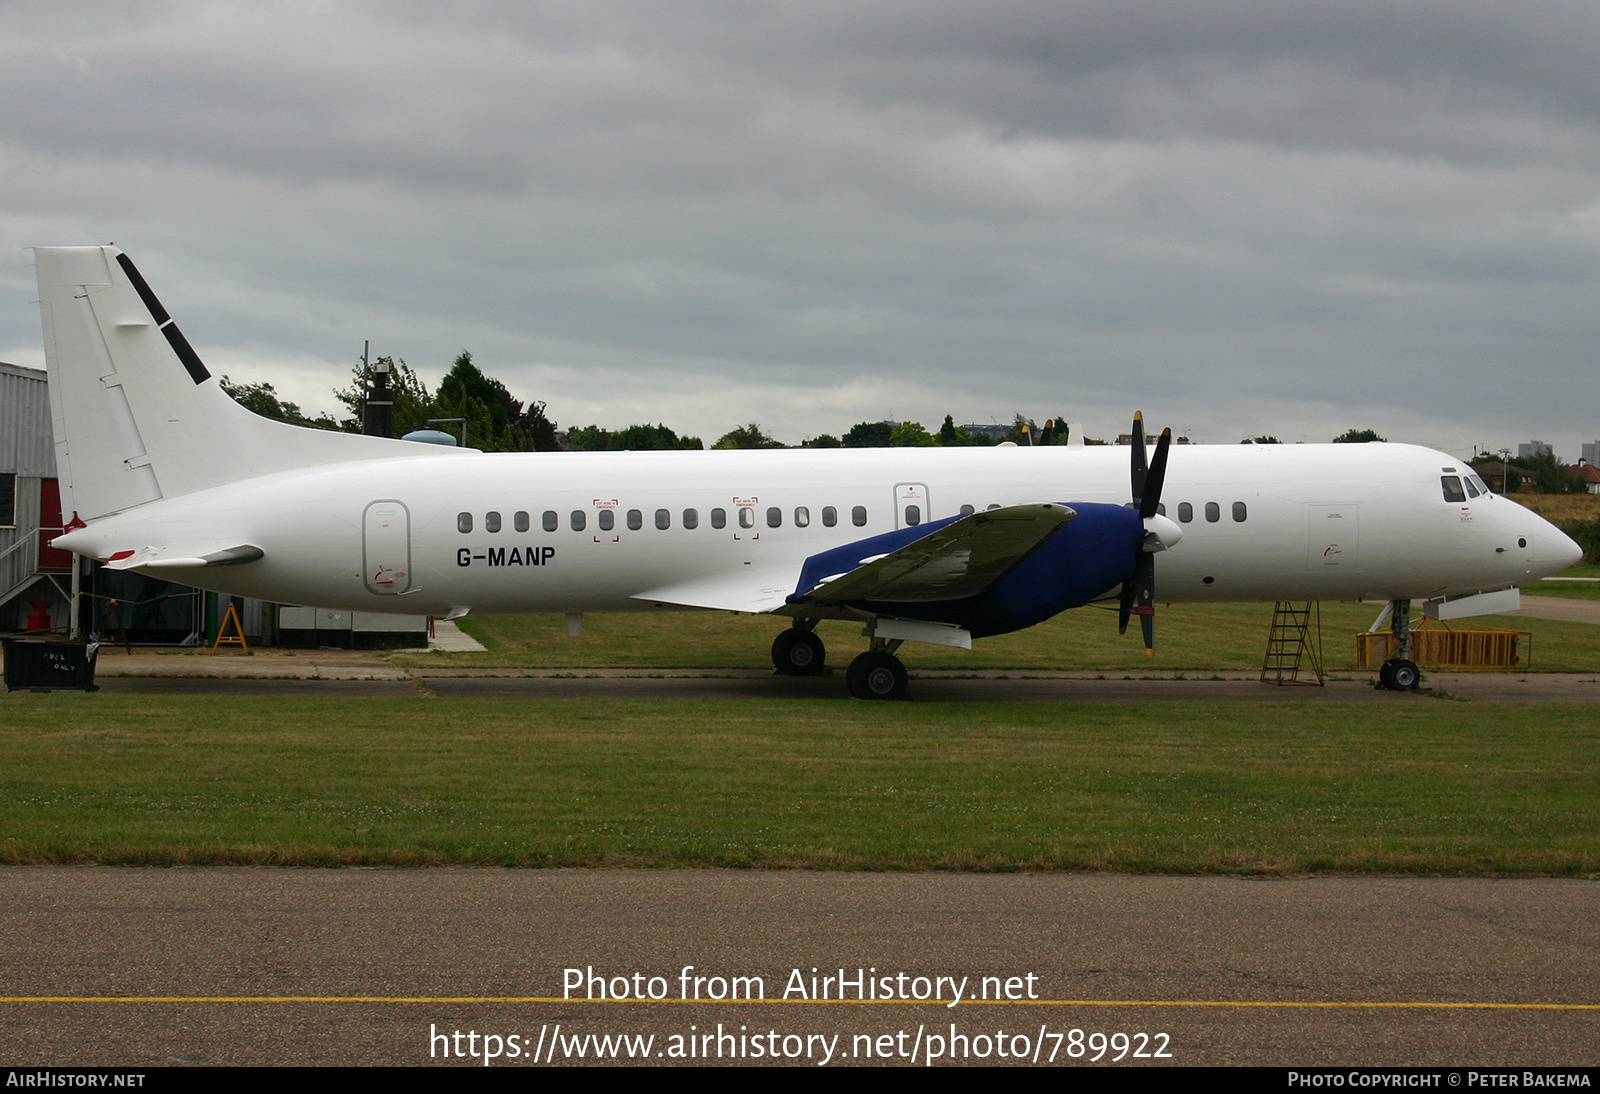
{"points": [[1265, 438], [953, 436], [635, 438], [869, 435], [1358, 436], [496, 421], [911, 435], [824, 440], [263, 399], [747, 436], [413, 404], [1551, 476]]}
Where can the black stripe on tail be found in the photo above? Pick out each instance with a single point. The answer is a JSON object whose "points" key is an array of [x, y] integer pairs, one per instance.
{"points": [[180, 345]]}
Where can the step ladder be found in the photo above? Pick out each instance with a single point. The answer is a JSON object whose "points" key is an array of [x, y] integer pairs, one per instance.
{"points": [[1294, 644]]}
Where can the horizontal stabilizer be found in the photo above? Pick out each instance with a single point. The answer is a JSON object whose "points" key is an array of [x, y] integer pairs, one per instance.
{"points": [[161, 558]]}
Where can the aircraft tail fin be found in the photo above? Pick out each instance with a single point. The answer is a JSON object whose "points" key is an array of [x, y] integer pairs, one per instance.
{"points": [[137, 415]]}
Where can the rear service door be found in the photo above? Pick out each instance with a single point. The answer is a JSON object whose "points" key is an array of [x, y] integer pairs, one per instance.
{"points": [[386, 547]]}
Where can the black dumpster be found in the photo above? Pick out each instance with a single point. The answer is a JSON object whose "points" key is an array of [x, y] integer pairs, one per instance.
{"points": [[39, 664]]}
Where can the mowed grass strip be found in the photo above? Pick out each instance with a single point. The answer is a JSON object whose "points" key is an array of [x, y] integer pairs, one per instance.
{"points": [[1189, 638], [1424, 785], [1584, 590]]}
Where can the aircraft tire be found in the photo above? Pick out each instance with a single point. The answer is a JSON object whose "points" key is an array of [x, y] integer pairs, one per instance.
{"points": [[1386, 676], [877, 676], [798, 653], [1404, 676]]}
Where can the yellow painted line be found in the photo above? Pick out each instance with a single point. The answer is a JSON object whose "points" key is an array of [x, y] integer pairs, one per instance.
{"points": [[436, 999]]}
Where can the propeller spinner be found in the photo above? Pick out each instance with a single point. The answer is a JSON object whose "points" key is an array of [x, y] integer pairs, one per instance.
{"points": [[1139, 591]]}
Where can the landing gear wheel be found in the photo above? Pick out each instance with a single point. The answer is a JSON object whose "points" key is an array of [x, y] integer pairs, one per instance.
{"points": [[877, 676], [1399, 675], [798, 653]]}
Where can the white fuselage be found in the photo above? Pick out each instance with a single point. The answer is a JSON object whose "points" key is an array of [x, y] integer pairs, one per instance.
{"points": [[1290, 522]]}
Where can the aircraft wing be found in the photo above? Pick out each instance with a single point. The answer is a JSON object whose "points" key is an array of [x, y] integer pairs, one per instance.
{"points": [[744, 590], [959, 558], [943, 560]]}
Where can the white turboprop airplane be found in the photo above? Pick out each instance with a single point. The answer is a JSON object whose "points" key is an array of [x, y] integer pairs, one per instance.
{"points": [[165, 474]]}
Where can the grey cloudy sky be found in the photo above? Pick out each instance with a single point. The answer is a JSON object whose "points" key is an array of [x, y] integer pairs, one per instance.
{"points": [[1290, 218]]}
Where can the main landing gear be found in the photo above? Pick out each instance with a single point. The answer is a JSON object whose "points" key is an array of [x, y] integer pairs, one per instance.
{"points": [[798, 651], [876, 674]]}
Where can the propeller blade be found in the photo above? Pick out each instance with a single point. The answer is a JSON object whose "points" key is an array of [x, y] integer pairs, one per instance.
{"points": [[1138, 458], [1048, 435], [1149, 504], [1144, 577], [1125, 608]]}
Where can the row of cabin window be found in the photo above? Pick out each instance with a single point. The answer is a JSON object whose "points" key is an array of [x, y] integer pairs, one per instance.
{"points": [[1213, 512], [607, 519]]}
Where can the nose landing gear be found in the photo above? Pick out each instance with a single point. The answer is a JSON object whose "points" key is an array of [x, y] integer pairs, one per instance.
{"points": [[1400, 673]]}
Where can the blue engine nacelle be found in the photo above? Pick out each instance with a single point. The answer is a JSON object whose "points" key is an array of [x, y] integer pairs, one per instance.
{"points": [[1087, 558]]}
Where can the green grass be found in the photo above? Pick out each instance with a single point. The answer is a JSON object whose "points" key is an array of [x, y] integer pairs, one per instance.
{"points": [[1579, 590], [1189, 638], [1416, 785]]}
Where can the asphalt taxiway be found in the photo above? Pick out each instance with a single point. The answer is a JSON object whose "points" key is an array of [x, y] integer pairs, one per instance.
{"points": [[147, 967]]}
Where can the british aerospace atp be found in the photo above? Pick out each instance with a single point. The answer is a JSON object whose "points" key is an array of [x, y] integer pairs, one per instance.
{"points": [[167, 475]]}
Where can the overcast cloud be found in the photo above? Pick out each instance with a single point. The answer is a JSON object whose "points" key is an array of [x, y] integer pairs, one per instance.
{"points": [[1290, 218]]}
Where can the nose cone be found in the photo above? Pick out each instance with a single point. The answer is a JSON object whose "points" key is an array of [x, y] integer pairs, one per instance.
{"points": [[1550, 550], [1566, 549]]}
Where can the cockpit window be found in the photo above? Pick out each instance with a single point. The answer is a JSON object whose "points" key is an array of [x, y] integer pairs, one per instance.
{"points": [[1483, 487], [1472, 488], [1452, 488]]}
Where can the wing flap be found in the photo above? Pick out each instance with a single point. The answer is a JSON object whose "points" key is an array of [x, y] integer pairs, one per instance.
{"points": [[960, 559]]}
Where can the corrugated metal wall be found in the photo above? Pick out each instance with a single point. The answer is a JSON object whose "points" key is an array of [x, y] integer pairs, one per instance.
{"points": [[26, 445], [28, 452]]}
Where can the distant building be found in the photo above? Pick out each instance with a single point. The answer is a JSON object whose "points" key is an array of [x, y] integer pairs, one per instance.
{"points": [[998, 432], [1149, 439], [1591, 453], [1588, 474], [34, 578], [1533, 449]]}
